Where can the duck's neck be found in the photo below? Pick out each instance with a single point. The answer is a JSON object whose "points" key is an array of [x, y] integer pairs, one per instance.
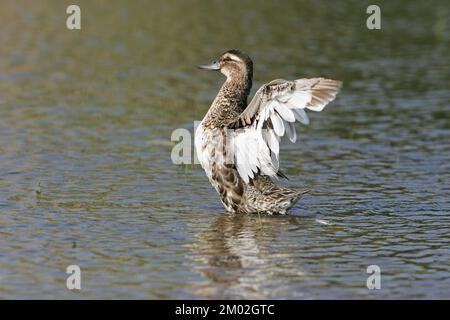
{"points": [[230, 101]]}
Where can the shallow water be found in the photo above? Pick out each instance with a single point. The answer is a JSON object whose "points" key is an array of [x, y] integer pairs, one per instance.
{"points": [[86, 176]]}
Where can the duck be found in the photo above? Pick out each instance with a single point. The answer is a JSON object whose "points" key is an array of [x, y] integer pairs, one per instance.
{"points": [[238, 143]]}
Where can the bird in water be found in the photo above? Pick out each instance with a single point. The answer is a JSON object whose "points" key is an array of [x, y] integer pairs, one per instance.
{"points": [[238, 144]]}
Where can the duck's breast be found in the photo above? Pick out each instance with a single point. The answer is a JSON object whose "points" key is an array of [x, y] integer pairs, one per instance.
{"points": [[209, 148]]}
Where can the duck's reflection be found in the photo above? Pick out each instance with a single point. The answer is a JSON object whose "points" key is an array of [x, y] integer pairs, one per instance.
{"points": [[242, 257]]}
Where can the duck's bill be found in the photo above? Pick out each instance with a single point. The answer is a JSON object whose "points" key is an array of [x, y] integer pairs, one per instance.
{"points": [[210, 66]]}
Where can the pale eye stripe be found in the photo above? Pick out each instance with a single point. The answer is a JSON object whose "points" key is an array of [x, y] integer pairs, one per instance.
{"points": [[233, 57]]}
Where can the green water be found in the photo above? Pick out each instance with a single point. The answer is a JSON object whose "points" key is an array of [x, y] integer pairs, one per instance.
{"points": [[86, 176]]}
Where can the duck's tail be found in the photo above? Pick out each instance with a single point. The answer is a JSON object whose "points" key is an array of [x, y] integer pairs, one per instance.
{"points": [[275, 199]]}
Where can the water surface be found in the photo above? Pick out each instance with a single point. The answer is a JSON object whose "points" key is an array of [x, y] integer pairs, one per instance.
{"points": [[86, 176]]}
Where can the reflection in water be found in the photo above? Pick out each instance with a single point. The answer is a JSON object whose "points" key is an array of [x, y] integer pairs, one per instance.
{"points": [[239, 260]]}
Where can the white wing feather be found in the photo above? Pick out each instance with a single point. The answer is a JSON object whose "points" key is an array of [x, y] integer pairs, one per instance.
{"points": [[272, 113]]}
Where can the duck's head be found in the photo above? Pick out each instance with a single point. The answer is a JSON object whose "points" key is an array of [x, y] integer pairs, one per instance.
{"points": [[234, 64]]}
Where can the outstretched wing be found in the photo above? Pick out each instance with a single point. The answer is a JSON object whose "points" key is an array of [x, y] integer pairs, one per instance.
{"points": [[254, 140]]}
